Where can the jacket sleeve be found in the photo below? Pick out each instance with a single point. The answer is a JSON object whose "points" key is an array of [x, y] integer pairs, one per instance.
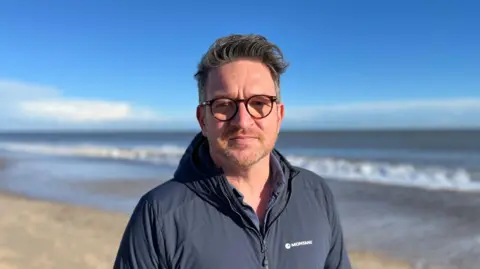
{"points": [[141, 246], [337, 257]]}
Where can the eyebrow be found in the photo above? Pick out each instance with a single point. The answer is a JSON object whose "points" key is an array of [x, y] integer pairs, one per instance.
{"points": [[222, 96]]}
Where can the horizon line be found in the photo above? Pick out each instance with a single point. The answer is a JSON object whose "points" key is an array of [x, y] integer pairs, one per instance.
{"points": [[183, 130]]}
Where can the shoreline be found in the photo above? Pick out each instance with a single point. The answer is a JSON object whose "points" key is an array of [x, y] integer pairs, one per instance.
{"points": [[49, 234], [86, 232], [427, 228]]}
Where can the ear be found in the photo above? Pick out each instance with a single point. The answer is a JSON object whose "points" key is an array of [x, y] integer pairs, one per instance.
{"points": [[201, 119], [280, 115]]}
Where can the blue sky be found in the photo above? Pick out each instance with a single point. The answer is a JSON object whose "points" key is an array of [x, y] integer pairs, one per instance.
{"points": [[130, 64]]}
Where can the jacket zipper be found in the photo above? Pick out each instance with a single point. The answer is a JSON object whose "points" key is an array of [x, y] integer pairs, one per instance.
{"points": [[265, 228], [263, 245]]}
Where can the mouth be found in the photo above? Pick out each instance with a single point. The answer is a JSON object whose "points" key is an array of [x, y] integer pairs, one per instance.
{"points": [[242, 137]]}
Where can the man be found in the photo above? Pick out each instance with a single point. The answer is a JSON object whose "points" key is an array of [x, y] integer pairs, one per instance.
{"points": [[234, 201]]}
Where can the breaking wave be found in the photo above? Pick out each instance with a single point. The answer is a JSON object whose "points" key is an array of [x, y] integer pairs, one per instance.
{"points": [[166, 154], [430, 177]]}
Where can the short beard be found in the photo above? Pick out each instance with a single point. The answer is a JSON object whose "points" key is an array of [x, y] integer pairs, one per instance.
{"points": [[227, 151], [247, 162]]}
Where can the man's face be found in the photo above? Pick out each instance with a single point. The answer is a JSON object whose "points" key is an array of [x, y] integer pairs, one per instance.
{"points": [[243, 140]]}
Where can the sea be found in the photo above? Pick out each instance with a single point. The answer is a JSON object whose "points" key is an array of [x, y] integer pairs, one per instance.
{"points": [[411, 193], [432, 159]]}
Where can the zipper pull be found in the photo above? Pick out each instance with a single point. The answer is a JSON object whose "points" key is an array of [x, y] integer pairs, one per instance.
{"points": [[265, 261]]}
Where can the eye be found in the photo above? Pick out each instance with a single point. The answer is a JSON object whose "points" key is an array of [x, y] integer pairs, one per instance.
{"points": [[259, 102], [222, 103]]}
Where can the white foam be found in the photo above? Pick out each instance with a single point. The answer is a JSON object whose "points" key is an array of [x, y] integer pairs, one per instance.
{"points": [[429, 177], [166, 154]]}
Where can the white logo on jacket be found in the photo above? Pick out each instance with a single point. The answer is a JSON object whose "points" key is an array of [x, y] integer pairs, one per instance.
{"points": [[297, 244]]}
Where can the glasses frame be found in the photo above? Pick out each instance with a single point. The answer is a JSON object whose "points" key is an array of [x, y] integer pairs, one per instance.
{"points": [[273, 99]]}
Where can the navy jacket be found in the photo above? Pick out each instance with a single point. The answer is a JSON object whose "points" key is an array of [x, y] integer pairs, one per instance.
{"points": [[195, 221]]}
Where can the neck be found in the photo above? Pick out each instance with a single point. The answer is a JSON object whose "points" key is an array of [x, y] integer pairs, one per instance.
{"points": [[252, 179], [252, 183]]}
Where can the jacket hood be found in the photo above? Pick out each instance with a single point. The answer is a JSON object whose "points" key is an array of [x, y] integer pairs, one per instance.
{"points": [[198, 172]]}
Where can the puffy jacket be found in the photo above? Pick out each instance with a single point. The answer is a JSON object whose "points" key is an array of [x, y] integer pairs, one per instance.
{"points": [[195, 221]]}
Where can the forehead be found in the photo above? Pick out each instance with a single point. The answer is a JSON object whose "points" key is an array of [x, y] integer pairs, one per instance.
{"points": [[240, 78]]}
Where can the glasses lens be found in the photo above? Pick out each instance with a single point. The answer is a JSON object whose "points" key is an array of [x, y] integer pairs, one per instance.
{"points": [[259, 106], [223, 108]]}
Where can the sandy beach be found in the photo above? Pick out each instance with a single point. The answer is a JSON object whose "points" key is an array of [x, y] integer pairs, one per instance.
{"points": [[43, 234], [385, 226]]}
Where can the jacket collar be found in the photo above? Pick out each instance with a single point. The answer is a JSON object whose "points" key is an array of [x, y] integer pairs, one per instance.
{"points": [[198, 172]]}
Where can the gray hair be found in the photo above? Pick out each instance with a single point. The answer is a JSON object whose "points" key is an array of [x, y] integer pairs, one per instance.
{"points": [[230, 48]]}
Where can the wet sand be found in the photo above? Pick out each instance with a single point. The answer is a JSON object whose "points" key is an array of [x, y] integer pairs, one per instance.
{"points": [[3, 163], [424, 227], [42, 234]]}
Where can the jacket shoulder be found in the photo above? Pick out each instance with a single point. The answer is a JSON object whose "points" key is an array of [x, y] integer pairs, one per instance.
{"points": [[167, 197], [311, 181], [143, 243]]}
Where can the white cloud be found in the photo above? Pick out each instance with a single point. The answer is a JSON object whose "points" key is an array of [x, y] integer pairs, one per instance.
{"points": [[449, 105], [26, 101], [427, 113], [84, 111], [16, 90], [33, 106]]}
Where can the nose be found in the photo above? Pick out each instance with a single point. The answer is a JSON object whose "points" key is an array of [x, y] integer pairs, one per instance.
{"points": [[242, 119]]}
